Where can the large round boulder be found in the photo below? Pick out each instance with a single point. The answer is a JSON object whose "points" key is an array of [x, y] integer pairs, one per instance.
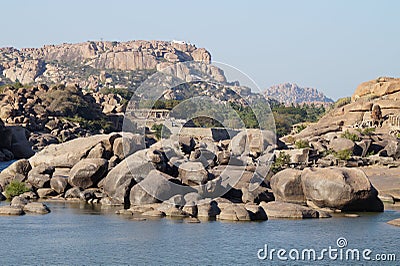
{"points": [[59, 183], [154, 188], [40, 176], [69, 153], [347, 189], [88, 172], [341, 144], [123, 176], [16, 171], [193, 173], [287, 187]]}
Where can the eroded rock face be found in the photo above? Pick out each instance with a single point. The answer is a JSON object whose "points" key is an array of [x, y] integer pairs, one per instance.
{"points": [[347, 189]]}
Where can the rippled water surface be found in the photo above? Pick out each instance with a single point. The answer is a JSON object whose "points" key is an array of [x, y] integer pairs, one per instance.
{"points": [[82, 234]]}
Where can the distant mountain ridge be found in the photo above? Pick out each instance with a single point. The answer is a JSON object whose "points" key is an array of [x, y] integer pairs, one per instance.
{"points": [[288, 93]]}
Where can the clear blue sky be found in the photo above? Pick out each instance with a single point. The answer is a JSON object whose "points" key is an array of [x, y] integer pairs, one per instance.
{"points": [[330, 45]]}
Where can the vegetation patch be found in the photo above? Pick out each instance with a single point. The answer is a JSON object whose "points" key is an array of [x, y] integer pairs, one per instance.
{"points": [[160, 131], [350, 136], [302, 144], [342, 102], [343, 154], [280, 162], [15, 188]]}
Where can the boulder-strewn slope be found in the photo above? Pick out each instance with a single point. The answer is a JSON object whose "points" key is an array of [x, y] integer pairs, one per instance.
{"points": [[358, 113]]}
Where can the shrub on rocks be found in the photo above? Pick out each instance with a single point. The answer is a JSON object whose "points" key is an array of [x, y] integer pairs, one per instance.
{"points": [[15, 188]]}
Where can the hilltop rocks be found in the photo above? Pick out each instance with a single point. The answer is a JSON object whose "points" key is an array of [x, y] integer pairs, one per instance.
{"points": [[347, 189], [377, 87], [25, 72], [38, 64]]}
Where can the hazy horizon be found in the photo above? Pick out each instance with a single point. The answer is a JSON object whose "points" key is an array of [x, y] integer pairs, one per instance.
{"points": [[330, 46]]}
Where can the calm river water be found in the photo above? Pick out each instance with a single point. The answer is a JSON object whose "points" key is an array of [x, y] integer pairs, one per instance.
{"points": [[83, 234]]}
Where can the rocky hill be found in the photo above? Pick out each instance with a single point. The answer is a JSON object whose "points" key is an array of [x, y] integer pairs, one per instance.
{"points": [[367, 127], [94, 64], [288, 93]]}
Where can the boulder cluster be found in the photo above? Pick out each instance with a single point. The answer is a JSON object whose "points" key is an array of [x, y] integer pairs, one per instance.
{"points": [[59, 113], [349, 147], [184, 176]]}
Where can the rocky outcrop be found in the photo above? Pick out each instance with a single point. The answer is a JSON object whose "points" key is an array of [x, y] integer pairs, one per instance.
{"points": [[22, 204], [55, 63], [377, 88]]}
